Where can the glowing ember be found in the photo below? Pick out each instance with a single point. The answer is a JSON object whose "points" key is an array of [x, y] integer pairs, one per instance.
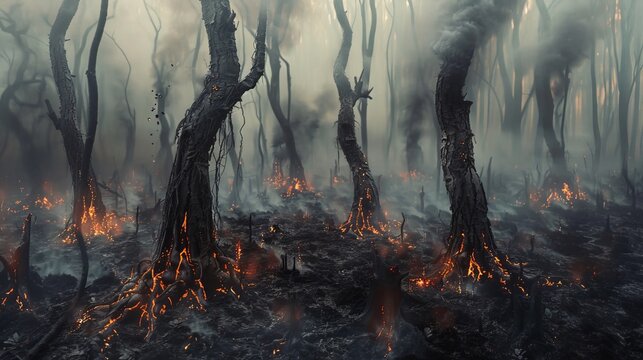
{"points": [[566, 196], [47, 203]]}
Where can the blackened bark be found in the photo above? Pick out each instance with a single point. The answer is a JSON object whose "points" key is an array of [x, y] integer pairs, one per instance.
{"points": [[92, 123], [66, 121], [470, 234], [188, 199], [366, 214], [296, 169]]}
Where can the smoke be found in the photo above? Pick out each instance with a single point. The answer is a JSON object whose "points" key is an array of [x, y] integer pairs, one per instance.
{"points": [[179, 31], [306, 117], [470, 24], [293, 15], [570, 38]]}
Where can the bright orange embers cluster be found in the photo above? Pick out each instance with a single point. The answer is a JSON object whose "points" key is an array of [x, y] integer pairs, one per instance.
{"points": [[360, 221], [151, 293], [21, 298], [49, 203], [566, 195], [289, 186], [109, 225], [451, 276]]}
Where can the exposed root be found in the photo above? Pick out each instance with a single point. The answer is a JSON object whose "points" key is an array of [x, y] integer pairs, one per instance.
{"points": [[18, 269], [156, 287], [366, 216], [478, 264]]}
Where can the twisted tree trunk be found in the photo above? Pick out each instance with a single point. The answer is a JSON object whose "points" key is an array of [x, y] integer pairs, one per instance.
{"points": [[368, 46], [559, 172], [187, 262], [471, 247], [366, 215], [296, 169], [66, 121]]}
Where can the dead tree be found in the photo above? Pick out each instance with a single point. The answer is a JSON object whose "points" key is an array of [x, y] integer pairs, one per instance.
{"points": [[10, 99], [368, 46], [471, 249], [188, 264], [161, 92], [127, 117], [296, 170], [66, 121], [513, 90], [418, 106], [626, 74], [366, 215], [85, 169], [559, 171]]}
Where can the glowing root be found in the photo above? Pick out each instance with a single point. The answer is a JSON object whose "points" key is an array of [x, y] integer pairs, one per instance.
{"points": [[362, 221], [17, 269], [477, 265], [366, 215], [17, 296], [148, 295]]}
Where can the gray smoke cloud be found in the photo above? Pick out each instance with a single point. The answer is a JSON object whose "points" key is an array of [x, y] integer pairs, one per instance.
{"points": [[572, 33], [471, 23]]}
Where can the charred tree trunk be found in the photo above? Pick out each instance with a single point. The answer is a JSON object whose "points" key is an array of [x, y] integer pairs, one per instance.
{"points": [[188, 202], [366, 214], [559, 172], [296, 169], [187, 264], [368, 45], [470, 235], [66, 122]]}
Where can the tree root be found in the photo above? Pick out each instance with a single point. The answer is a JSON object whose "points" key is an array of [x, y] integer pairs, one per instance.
{"points": [[149, 294]]}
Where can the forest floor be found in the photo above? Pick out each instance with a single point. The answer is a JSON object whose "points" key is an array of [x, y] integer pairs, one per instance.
{"points": [[315, 311]]}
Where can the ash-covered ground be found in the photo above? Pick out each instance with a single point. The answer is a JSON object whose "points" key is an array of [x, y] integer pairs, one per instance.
{"points": [[316, 305]]}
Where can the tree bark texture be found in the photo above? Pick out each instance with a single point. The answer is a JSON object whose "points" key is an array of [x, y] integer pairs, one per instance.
{"points": [[471, 248], [66, 121], [366, 214]]}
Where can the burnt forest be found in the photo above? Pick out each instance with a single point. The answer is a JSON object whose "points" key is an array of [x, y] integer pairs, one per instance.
{"points": [[321, 179]]}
